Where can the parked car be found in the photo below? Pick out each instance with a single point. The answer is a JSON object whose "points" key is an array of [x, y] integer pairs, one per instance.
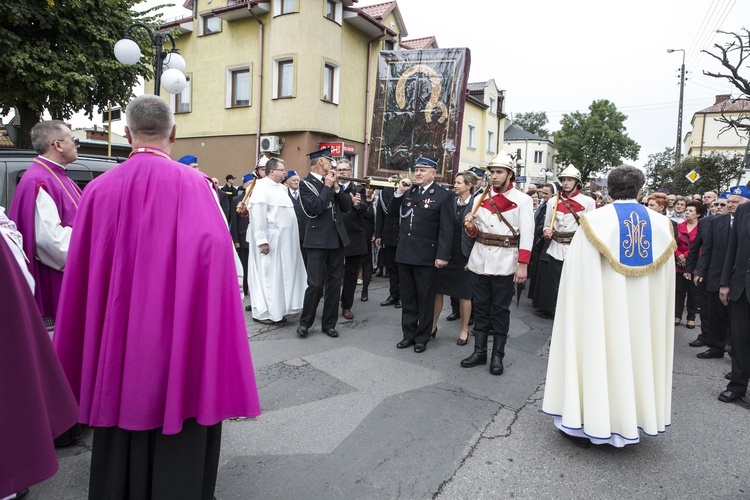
{"points": [[14, 162]]}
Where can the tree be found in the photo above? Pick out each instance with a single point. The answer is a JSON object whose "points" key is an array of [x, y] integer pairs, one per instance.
{"points": [[534, 122], [733, 56], [595, 141], [717, 172], [57, 56]]}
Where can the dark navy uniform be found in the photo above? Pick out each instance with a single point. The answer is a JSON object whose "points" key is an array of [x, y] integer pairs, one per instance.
{"points": [[387, 229], [325, 239], [425, 235], [357, 247]]}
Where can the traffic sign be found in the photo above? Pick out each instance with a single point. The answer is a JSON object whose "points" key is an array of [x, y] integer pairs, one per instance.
{"points": [[693, 176]]}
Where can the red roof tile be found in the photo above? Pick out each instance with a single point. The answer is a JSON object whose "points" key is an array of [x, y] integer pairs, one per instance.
{"points": [[729, 106], [378, 11], [419, 43]]}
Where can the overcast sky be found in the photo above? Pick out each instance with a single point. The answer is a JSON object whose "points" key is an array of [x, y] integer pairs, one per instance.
{"points": [[558, 57]]}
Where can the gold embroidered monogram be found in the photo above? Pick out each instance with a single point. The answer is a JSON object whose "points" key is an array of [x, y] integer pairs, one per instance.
{"points": [[635, 240]]}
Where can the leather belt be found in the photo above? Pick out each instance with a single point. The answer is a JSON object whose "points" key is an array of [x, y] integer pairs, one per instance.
{"points": [[563, 238], [497, 240]]}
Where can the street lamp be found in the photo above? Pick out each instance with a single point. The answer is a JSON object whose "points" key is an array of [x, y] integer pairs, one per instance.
{"points": [[546, 173], [678, 146], [169, 67]]}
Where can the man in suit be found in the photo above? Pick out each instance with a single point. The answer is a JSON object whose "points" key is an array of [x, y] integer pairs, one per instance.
{"points": [[292, 182], [224, 199], [323, 201], [735, 284], [386, 237], [357, 247], [706, 260], [238, 222], [424, 245]]}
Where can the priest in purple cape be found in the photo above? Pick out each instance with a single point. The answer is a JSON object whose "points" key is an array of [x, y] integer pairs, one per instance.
{"points": [[151, 332], [36, 403], [44, 207]]}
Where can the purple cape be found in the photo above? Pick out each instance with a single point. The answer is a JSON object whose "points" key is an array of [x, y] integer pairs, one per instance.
{"points": [[36, 404], [151, 329], [66, 194]]}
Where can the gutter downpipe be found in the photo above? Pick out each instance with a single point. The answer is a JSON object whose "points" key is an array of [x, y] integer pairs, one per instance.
{"points": [[260, 80], [367, 101]]}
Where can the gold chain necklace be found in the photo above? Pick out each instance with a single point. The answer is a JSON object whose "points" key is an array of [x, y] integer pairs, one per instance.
{"points": [[150, 150], [77, 194]]}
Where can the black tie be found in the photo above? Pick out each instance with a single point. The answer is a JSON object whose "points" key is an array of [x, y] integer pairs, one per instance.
{"points": [[421, 192]]}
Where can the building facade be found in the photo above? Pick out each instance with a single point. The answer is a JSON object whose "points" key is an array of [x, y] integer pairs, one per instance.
{"points": [[539, 154]]}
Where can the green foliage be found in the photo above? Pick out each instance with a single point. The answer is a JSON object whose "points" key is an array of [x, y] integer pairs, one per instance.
{"points": [[595, 141], [717, 173], [57, 56], [534, 122]]}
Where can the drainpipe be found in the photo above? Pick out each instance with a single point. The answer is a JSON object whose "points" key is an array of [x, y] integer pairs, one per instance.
{"points": [[703, 131], [367, 102], [260, 80]]}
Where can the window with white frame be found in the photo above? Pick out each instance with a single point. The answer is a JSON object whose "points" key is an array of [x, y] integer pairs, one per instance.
{"points": [[472, 137], [331, 83], [209, 25], [334, 11], [281, 7], [492, 105], [283, 78], [490, 141], [238, 87], [538, 157], [183, 99]]}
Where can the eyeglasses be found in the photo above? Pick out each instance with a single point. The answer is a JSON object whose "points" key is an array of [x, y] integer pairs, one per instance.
{"points": [[75, 140], [720, 204]]}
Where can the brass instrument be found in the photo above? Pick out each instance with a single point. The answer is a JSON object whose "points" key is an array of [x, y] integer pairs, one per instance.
{"points": [[372, 181]]}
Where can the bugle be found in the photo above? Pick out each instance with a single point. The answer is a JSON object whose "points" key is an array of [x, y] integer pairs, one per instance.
{"points": [[372, 181]]}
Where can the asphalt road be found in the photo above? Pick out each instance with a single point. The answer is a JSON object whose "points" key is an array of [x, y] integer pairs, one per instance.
{"points": [[354, 417]]}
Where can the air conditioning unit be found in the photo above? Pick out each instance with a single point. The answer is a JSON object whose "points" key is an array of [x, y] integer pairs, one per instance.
{"points": [[270, 144]]}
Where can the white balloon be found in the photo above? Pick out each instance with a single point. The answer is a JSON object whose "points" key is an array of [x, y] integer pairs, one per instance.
{"points": [[127, 52], [173, 81], [174, 60]]}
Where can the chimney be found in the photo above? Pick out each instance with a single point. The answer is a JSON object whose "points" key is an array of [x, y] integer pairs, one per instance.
{"points": [[721, 98]]}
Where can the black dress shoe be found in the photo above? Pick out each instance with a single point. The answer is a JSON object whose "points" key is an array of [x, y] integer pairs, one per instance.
{"points": [[711, 352], [461, 341], [728, 375], [398, 304], [302, 331], [389, 301], [697, 343], [404, 344], [248, 308], [365, 297], [331, 332], [22, 493], [453, 316], [581, 442], [729, 396], [434, 332], [419, 348]]}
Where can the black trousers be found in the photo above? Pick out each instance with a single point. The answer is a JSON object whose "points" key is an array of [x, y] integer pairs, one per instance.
{"points": [[739, 332], [244, 255], [718, 328], [418, 298], [351, 269], [704, 302], [325, 270], [491, 299], [389, 260], [685, 288], [367, 269], [143, 465]]}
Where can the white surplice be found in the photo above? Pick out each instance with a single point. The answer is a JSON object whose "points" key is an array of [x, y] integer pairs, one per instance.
{"points": [[610, 362], [277, 280]]}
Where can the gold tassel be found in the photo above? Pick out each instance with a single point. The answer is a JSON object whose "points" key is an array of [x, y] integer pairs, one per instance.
{"points": [[615, 262]]}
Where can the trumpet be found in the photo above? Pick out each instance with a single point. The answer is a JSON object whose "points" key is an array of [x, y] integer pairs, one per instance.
{"points": [[373, 181]]}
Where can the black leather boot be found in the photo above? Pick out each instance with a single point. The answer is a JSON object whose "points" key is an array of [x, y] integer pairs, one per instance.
{"points": [[498, 353], [479, 356]]}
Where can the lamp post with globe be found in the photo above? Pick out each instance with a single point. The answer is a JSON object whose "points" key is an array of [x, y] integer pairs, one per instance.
{"points": [[169, 67]]}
